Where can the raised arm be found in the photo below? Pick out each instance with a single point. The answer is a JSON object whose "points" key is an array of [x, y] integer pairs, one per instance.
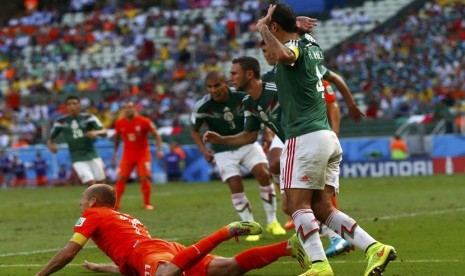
{"points": [[282, 53], [354, 112]]}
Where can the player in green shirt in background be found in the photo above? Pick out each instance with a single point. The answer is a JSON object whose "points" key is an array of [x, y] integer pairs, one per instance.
{"points": [[80, 130], [312, 154], [221, 111]]}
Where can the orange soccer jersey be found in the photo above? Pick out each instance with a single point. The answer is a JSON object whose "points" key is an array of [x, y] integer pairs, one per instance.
{"points": [[128, 244], [330, 96], [136, 152], [135, 135]]}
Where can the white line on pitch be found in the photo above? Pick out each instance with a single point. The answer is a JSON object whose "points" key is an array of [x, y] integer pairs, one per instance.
{"points": [[406, 215], [403, 261]]}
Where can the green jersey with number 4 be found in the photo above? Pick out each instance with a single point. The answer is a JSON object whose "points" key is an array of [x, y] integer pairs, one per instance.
{"points": [[80, 147], [225, 118], [301, 90]]}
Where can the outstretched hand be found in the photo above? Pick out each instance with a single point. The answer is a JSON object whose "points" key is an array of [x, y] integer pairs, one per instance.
{"points": [[305, 24], [108, 268]]}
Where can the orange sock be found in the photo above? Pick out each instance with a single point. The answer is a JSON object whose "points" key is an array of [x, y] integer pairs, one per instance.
{"points": [[258, 257], [145, 187], [119, 190], [191, 255]]}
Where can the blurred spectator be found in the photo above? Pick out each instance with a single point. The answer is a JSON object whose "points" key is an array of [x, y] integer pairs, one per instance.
{"points": [[31, 6], [40, 167], [460, 123], [348, 18], [174, 162], [19, 171], [21, 142], [5, 169], [337, 14], [13, 100], [4, 139], [398, 148], [362, 18], [63, 176]]}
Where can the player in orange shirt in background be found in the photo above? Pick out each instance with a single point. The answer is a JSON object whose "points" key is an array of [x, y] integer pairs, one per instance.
{"points": [[127, 242], [134, 130]]}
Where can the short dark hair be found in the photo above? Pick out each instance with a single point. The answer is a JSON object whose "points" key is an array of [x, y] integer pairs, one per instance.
{"points": [[249, 63], [72, 98], [216, 75], [284, 16]]}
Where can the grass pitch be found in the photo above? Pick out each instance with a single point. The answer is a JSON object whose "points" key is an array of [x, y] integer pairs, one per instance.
{"points": [[423, 217]]}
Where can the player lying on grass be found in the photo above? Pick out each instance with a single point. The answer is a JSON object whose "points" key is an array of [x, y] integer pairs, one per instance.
{"points": [[127, 242]]}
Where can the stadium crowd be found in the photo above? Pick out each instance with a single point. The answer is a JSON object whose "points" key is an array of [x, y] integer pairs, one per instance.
{"points": [[416, 67], [108, 52]]}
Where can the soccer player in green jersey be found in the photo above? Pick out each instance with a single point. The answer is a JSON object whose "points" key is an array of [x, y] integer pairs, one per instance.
{"points": [[261, 106], [221, 111], [312, 154], [80, 130], [337, 245]]}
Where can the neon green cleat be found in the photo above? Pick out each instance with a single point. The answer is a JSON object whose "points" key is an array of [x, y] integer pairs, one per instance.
{"points": [[252, 238], [379, 255], [298, 252], [244, 228], [275, 228], [320, 269]]}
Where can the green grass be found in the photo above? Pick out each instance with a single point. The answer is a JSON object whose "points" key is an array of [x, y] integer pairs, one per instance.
{"points": [[423, 217]]}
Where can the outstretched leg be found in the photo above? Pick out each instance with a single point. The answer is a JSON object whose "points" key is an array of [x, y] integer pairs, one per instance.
{"points": [[191, 255]]}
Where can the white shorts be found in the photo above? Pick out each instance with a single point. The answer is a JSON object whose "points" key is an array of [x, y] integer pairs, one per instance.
{"points": [[229, 162], [89, 170], [311, 161], [276, 143]]}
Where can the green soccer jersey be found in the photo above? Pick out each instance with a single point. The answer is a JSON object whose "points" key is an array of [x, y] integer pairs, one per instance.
{"points": [[269, 76], [301, 90], [224, 118], [80, 147], [264, 110]]}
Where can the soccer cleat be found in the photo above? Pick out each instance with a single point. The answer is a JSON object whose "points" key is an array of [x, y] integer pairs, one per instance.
{"points": [[319, 269], [379, 255], [148, 207], [243, 228], [338, 246], [275, 228], [289, 224], [298, 252], [252, 238]]}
